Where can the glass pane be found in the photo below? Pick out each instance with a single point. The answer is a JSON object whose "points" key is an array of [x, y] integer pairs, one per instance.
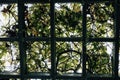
{"points": [[68, 19], [119, 62], [37, 20], [12, 79], [9, 57], [69, 57], [38, 57], [51, 79], [39, 79], [8, 20], [100, 20], [99, 57]]}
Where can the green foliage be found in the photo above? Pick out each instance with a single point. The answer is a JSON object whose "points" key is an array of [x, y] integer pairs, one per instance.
{"points": [[69, 57], [68, 23], [100, 20], [38, 57], [98, 60], [39, 20]]}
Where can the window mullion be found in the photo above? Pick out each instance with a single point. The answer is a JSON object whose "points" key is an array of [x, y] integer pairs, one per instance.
{"points": [[84, 39], [53, 43], [21, 38], [117, 25]]}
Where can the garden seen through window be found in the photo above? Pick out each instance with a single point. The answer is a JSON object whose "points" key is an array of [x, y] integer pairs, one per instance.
{"points": [[59, 40]]}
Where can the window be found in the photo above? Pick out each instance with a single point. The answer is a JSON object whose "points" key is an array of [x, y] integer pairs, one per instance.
{"points": [[59, 39]]}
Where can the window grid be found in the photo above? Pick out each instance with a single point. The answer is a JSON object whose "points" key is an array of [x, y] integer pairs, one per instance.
{"points": [[84, 39], [23, 74]]}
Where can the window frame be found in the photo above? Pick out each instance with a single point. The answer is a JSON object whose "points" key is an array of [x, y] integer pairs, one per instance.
{"points": [[23, 75]]}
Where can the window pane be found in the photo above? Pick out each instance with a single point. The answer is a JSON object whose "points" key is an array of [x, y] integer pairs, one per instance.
{"points": [[38, 57], [68, 19], [9, 57], [39, 79], [37, 20], [100, 20], [69, 57], [8, 20], [99, 57], [119, 63]]}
